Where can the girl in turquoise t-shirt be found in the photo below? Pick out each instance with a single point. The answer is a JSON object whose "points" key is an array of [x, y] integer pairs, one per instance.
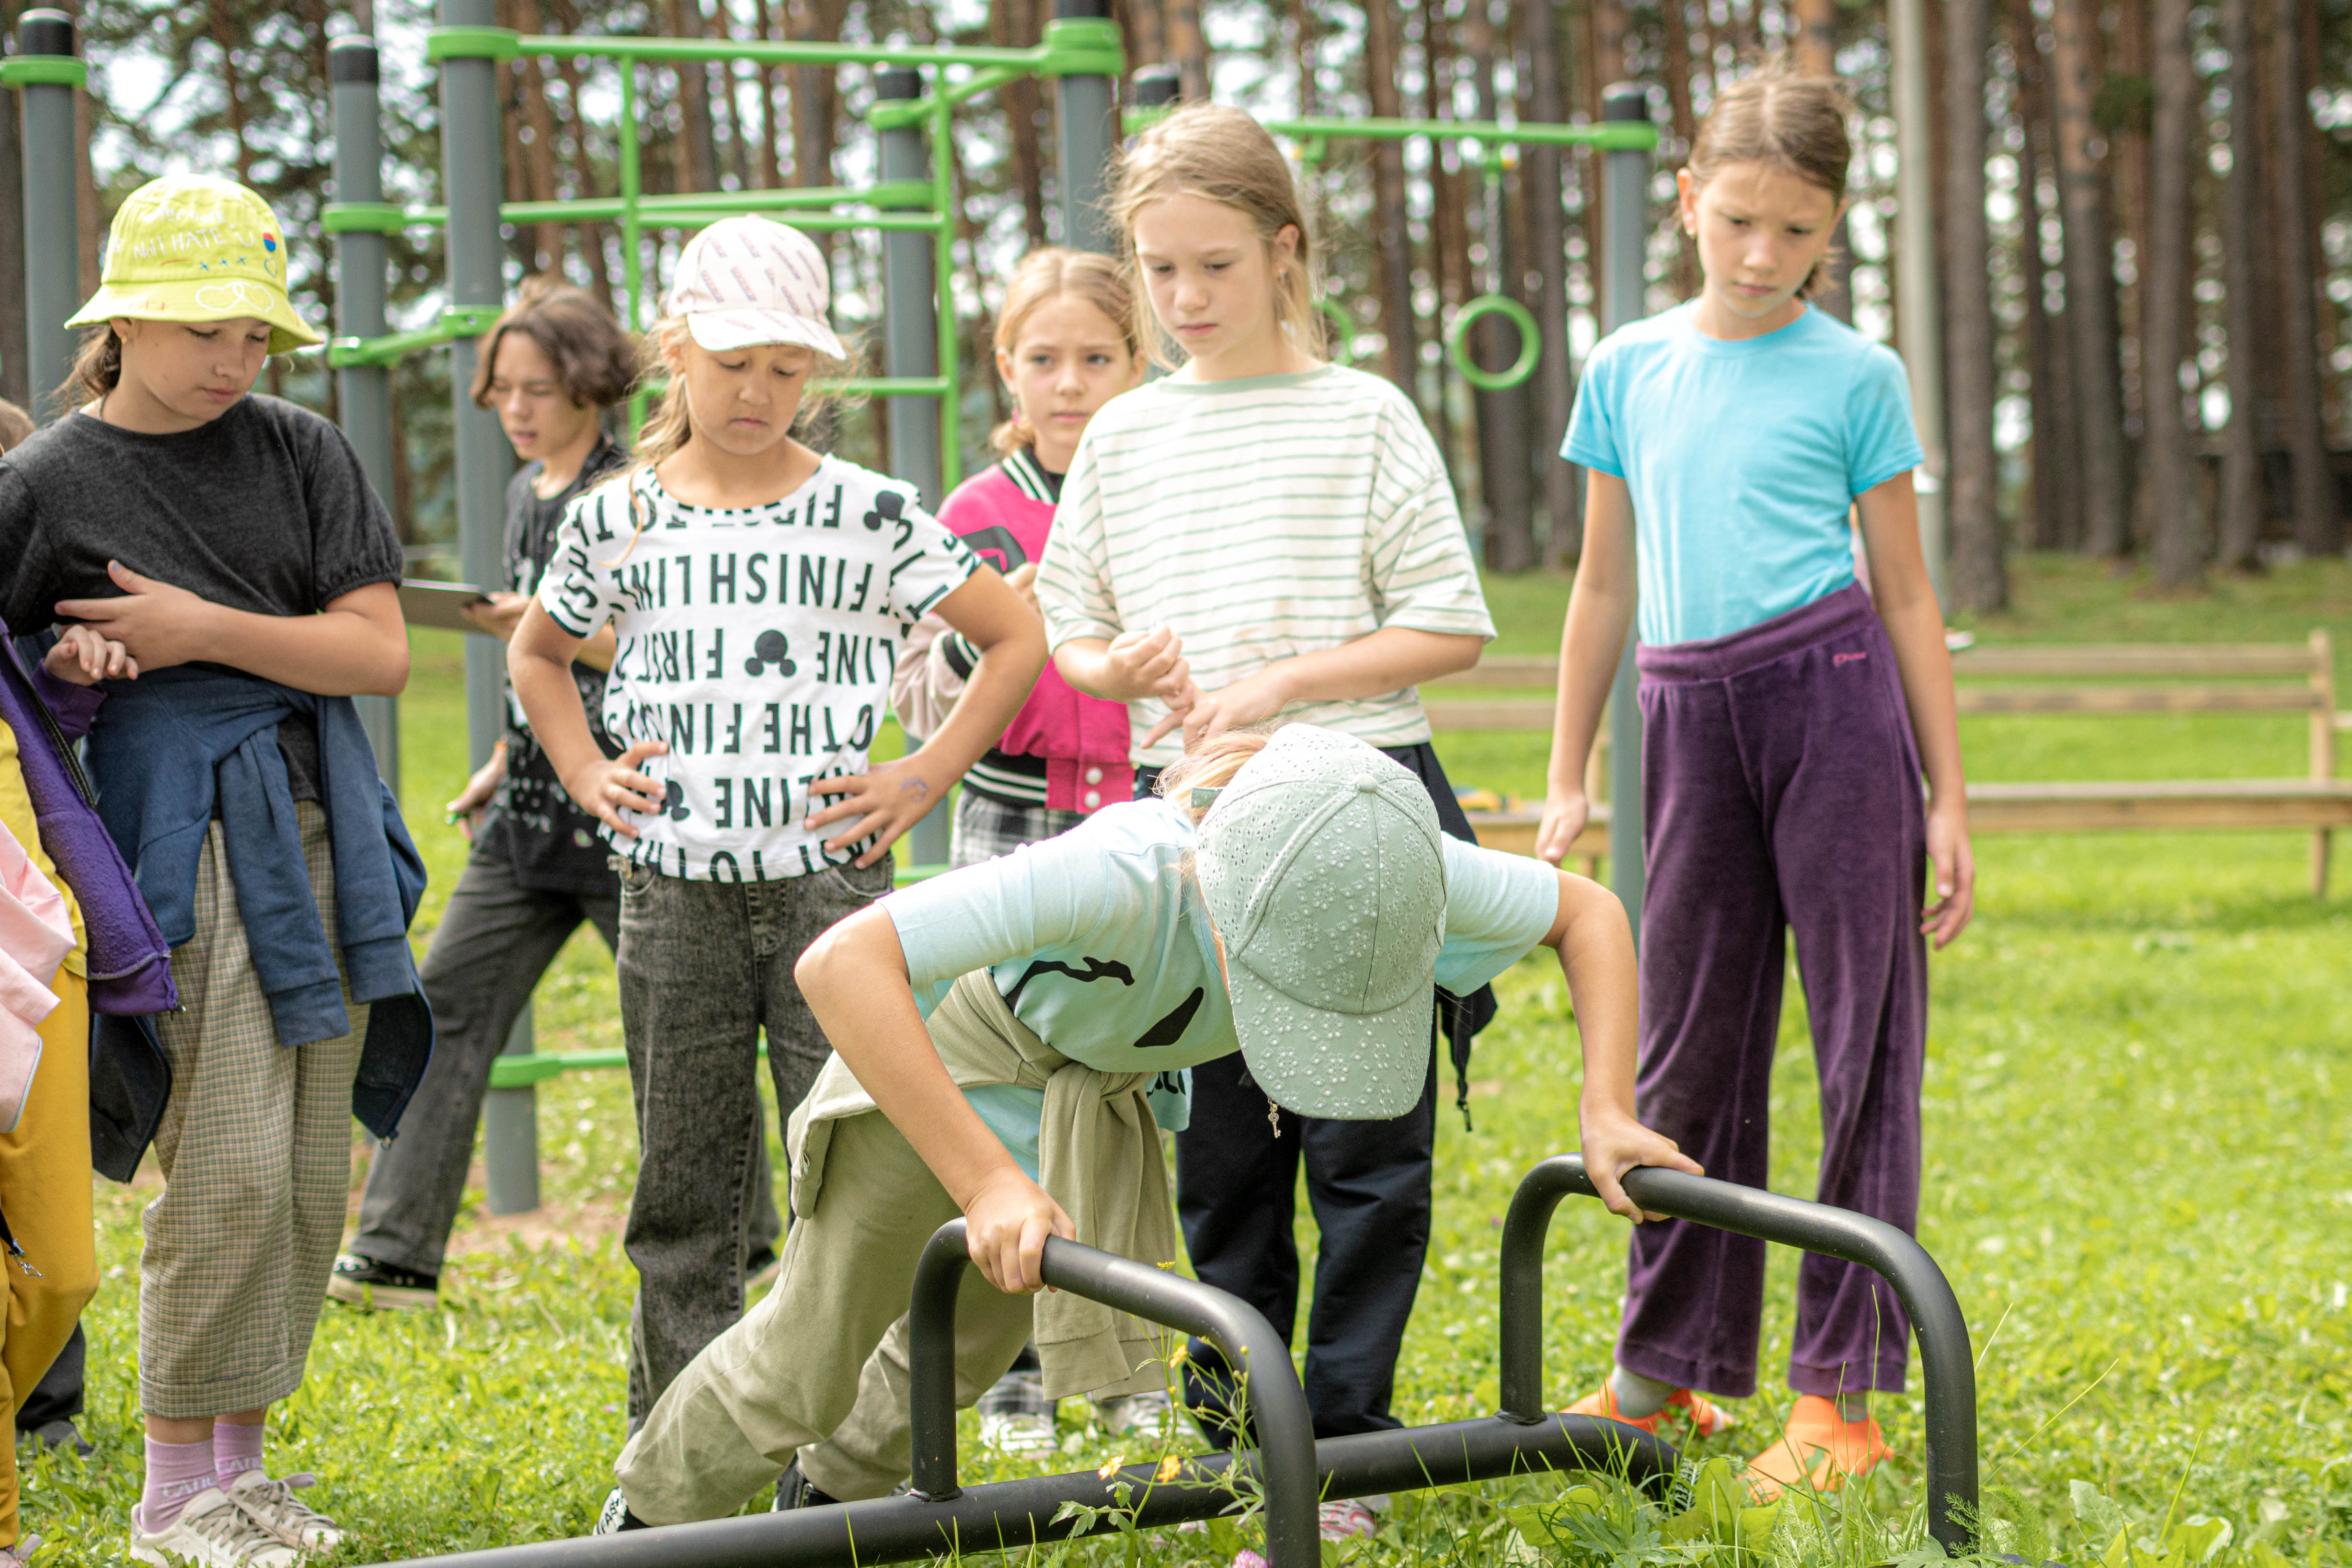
{"points": [[1787, 714]]}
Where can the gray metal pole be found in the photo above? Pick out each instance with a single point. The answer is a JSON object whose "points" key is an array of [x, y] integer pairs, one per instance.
{"points": [[52, 257], [1919, 291], [910, 347], [1085, 130], [472, 177], [1625, 286], [366, 390]]}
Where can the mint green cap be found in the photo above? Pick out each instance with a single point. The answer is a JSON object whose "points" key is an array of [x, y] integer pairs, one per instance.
{"points": [[1321, 867]]}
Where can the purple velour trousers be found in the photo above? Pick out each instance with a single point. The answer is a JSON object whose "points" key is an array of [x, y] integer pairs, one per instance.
{"points": [[1782, 792]]}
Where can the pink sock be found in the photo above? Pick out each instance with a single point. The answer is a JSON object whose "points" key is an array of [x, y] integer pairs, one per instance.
{"points": [[235, 1449], [176, 1472]]}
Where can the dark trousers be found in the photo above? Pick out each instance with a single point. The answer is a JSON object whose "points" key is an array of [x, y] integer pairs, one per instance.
{"points": [[1782, 794], [495, 941], [1367, 1184], [706, 969], [1237, 1195], [57, 1397]]}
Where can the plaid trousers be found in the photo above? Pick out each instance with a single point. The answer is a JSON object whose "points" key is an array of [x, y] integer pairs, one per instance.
{"points": [[256, 1151]]}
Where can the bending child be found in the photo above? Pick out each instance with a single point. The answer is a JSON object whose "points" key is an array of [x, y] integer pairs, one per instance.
{"points": [[1000, 1029], [759, 592], [1787, 713]]}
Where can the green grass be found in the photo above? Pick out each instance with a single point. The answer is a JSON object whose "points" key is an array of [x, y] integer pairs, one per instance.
{"points": [[2136, 1106]]}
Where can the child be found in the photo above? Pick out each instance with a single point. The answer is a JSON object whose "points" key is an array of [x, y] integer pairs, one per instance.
{"points": [[552, 367], [1263, 534], [1786, 719], [47, 996], [1064, 346], [1290, 899], [759, 592], [231, 545]]}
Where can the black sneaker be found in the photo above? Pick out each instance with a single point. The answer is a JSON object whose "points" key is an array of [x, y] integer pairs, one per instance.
{"points": [[793, 1491], [61, 1434], [364, 1283]]}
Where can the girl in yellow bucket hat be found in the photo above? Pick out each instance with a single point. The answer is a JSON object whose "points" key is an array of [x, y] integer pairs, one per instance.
{"points": [[226, 576]]}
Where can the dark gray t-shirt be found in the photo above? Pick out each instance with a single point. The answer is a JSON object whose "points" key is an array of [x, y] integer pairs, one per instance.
{"points": [[264, 510]]}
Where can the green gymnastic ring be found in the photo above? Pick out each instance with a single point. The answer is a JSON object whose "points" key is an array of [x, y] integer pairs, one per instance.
{"points": [[1530, 342], [1340, 344]]}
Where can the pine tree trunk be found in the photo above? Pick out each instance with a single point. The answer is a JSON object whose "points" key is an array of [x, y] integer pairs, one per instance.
{"points": [[589, 236], [1448, 246], [1979, 579], [1684, 126], [1009, 28], [2128, 175], [1544, 170], [2167, 474], [2053, 517], [698, 140], [2090, 289], [2242, 234], [1188, 48], [2317, 526], [541, 117], [1505, 413], [1383, 65], [768, 171]]}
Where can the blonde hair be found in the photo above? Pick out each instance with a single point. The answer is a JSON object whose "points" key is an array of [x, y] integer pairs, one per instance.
{"points": [[1794, 122], [670, 426], [1210, 763], [1044, 276], [1219, 154]]}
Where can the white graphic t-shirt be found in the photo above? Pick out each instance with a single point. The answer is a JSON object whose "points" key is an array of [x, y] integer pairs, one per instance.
{"points": [[757, 642]]}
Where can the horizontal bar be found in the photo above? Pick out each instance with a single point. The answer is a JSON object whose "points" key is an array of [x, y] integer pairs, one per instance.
{"points": [[719, 50], [1012, 1515], [666, 212]]}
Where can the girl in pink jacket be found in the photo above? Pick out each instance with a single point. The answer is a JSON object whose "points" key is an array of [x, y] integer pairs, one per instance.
{"points": [[1063, 349]]}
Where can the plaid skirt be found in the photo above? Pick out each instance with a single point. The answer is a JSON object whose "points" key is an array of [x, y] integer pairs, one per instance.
{"points": [[985, 828], [256, 1151]]}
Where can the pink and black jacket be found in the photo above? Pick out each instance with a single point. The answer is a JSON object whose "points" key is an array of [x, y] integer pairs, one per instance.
{"points": [[1064, 749]]}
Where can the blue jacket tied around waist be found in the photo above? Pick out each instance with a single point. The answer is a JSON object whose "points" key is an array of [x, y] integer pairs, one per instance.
{"points": [[163, 747]]}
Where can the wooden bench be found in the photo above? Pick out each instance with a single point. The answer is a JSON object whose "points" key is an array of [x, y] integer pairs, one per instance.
{"points": [[2164, 677]]}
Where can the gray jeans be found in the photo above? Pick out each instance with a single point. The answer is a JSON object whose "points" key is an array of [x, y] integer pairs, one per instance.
{"points": [[705, 967], [495, 940]]}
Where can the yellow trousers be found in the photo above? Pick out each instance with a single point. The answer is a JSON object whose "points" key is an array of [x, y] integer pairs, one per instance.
{"points": [[45, 1193]]}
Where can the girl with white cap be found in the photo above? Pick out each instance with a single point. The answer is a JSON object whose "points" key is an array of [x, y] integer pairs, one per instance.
{"points": [[761, 593], [230, 544], [1000, 1030]]}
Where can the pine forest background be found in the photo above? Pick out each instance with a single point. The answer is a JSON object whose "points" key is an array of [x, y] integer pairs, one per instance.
{"points": [[2144, 215]]}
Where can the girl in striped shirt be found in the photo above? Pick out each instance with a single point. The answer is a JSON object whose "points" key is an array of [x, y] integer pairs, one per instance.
{"points": [[1262, 535]]}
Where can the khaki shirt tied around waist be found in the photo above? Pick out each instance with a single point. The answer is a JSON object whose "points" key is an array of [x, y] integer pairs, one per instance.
{"points": [[1098, 1158]]}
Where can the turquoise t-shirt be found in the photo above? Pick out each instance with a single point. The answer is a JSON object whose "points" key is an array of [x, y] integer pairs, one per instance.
{"points": [[1743, 458], [1103, 948]]}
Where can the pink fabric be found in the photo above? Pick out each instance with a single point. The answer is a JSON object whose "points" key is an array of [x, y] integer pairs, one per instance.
{"points": [[237, 1449], [175, 1473], [36, 935], [1084, 739]]}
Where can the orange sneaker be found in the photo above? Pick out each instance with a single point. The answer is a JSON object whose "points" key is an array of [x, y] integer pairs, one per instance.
{"points": [[1821, 1449], [1706, 1418], [1602, 1403]]}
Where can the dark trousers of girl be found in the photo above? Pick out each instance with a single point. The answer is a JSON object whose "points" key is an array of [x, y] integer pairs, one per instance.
{"points": [[1781, 794], [1368, 1185]]}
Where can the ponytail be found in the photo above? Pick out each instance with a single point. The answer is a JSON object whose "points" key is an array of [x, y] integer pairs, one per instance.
{"points": [[97, 369]]}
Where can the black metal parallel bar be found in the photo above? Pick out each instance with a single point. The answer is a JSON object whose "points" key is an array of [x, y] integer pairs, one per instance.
{"points": [[1010, 1515], [1947, 1367], [1278, 1414]]}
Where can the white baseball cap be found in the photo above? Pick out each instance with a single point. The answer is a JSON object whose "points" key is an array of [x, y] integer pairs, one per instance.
{"points": [[747, 281]]}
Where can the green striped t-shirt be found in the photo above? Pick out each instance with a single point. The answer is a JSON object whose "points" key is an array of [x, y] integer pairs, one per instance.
{"points": [[1261, 519]]}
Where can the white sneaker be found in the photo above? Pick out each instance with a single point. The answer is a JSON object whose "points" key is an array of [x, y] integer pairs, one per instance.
{"points": [[290, 1518], [1147, 1415], [22, 1552], [213, 1531], [1345, 1519], [1018, 1432]]}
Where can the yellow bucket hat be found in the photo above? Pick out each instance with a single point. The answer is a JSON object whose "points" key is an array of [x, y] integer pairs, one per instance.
{"points": [[188, 247]]}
